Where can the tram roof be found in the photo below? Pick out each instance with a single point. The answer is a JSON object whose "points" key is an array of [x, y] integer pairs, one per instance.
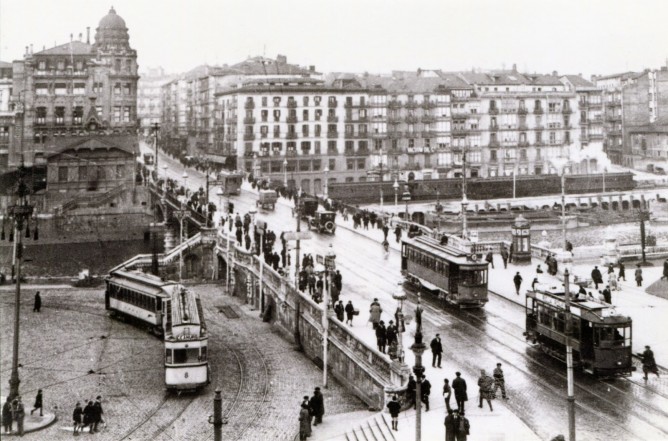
{"points": [[587, 309], [446, 252], [184, 307], [140, 281]]}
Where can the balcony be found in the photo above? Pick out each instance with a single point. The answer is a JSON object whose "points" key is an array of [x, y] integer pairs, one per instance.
{"points": [[411, 119], [429, 105], [249, 136], [427, 119], [332, 135], [395, 134], [494, 143], [249, 105], [394, 104], [291, 135], [332, 119], [249, 120], [332, 103], [291, 119], [538, 111], [428, 134], [379, 135], [349, 152], [566, 111], [411, 104], [231, 120], [394, 119], [493, 111], [596, 136], [522, 111], [522, 126], [523, 144], [494, 128], [292, 104], [459, 131]]}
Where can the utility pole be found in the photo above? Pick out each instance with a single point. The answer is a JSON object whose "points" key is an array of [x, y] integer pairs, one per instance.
{"points": [[569, 358], [464, 200], [156, 128], [418, 349], [299, 225]]}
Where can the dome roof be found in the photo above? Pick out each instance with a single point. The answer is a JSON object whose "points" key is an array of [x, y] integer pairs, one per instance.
{"points": [[112, 21]]}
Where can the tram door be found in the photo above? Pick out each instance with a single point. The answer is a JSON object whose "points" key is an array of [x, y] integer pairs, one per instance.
{"points": [[404, 257], [586, 340], [453, 279]]}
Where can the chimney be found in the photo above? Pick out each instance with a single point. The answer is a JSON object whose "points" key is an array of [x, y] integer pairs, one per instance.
{"points": [[27, 52], [80, 36], [555, 73], [87, 34]]}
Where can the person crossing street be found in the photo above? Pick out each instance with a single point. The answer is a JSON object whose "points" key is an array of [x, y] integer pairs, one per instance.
{"points": [[436, 351], [499, 381]]}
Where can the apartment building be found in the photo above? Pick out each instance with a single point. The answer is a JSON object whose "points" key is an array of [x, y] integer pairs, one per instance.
{"points": [[149, 102], [7, 113]]}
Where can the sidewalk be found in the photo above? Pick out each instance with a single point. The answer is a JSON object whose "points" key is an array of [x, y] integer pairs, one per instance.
{"points": [[648, 312], [31, 423]]}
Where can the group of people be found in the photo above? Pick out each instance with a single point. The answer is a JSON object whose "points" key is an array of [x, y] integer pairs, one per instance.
{"points": [[386, 336], [13, 411], [89, 416], [311, 413]]}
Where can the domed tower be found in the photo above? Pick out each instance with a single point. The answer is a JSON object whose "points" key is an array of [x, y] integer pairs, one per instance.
{"points": [[112, 33]]}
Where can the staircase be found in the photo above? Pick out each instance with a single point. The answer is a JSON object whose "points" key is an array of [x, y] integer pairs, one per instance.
{"points": [[378, 428], [88, 201]]}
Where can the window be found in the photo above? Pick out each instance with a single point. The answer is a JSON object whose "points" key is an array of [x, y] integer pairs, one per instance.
{"points": [[304, 166], [350, 164], [306, 147], [127, 88], [539, 137], [305, 115], [277, 115], [127, 110], [120, 171], [317, 163], [553, 138], [41, 65], [318, 114], [117, 114], [316, 148], [61, 65], [40, 115], [60, 116], [277, 101], [523, 154], [264, 114], [317, 130], [411, 143], [79, 89], [332, 164], [117, 64], [363, 146], [331, 128], [41, 89], [361, 163], [117, 89], [305, 130], [97, 87], [77, 115], [264, 131], [83, 173], [264, 102], [277, 131], [492, 155], [61, 89], [62, 174], [305, 101], [350, 147], [317, 100]]}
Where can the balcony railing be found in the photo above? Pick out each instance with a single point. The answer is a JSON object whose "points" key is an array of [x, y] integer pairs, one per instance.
{"points": [[411, 104], [538, 111], [394, 119], [493, 111], [459, 130], [566, 110], [249, 120], [427, 119], [291, 119], [411, 119], [332, 103], [494, 143], [428, 134], [332, 135], [523, 127], [249, 105], [494, 128], [379, 135], [523, 144], [332, 118], [231, 120], [394, 135], [249, 136], [522, 111], [394, 104], [291, 135], [429, 104], [292, 104]]}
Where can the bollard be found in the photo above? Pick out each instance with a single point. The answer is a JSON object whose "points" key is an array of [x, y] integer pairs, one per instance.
{"points": [[217, 418]]}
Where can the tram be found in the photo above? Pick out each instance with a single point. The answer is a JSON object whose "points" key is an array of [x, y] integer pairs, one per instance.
{"points": [[230, 181], [171, 311], [451, 269], [601, 337]]}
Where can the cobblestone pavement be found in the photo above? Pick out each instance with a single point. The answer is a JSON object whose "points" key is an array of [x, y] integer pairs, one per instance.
{"points": [[74, 352]]}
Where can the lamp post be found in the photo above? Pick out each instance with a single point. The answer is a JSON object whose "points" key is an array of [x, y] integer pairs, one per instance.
{"points": [[261, 226], [560, 165], [21, 213], [569, 359], [285, 173], [330, 265], [180, 215], [326, 182], [156, 129], [644, 217], [164, 172], [399, 319], [220, 193], [396, 194], [299, 225], [418, 349], [605, 169], [464, 200], [185, 183], [406, 196]]}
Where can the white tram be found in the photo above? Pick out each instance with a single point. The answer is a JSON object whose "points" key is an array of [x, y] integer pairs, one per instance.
{"points": [[170, 310]]}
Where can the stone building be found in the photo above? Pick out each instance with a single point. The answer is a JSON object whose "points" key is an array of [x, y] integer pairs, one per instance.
{"points": [[75, 99], [7, 113], [149, 102]]}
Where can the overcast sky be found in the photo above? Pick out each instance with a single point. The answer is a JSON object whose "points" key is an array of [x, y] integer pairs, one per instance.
{"points": [[570, 36]]}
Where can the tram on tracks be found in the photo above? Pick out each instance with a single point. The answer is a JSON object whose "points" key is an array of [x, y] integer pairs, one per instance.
{"points": [[451, 269], [230, 182], [169, 310], [601, 337]]}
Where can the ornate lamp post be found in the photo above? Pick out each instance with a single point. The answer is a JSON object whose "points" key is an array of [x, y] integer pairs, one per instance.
{"points": [[299, 225], [285, 173], [326, 192], [396, 194], [399, 318], [330, 266], [20, 213], [418, 349], [406, 196], [569, 359], [156, 128], [560, 165]]}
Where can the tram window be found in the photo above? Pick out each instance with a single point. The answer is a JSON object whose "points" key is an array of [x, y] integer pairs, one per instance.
{"points": [[158, 304], [180, 356], [608, 336], [544, 316], [575, 327], [168, 356], [558, 322], [472, 277], [203, 355], [193, 355]]}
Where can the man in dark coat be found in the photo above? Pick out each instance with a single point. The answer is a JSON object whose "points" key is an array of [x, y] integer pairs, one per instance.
{"points": [[436, 350], [607, 295], [38, 302], [391, 333], [410, 391], [425, 391], [665, 269], [622, 272], [489, 258], [486, 385], [462, 427], [317, 404], [381, 336], [648, 363], [450, 426], [38, 403], [517, 280], [504, 256], [97, 406], [88, 415], [394, 407], [459, 386], [339, 310], [638, 275], [350, 312], [386, 231], [7, 416], [397, 233], [596, 276], [499, 381]]}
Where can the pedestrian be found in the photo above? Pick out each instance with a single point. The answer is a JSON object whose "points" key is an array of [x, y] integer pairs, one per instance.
{"points": [[436, 350], [596, 276], [391, 333], [510, 252], [350, 312], [517, 280], [374, 313], [665, 269], [381, 336], [539, 270], [38, 302], [410, 391], [648, 363], [38, 403], [607, 295], [462, 426], [639, 276], [459, 386], [485, 384], [612, 282], [7, 416], [339, 310], [397, 233], [394, 407], [447, 393], [239, 236], [304, 422], [88, 412], [425, 391], [569, 247], [534, 283], [450, 430], [77, 418], [18, 414], [317, 403], [622, 272], [97, 407], [504, 256], [386, 231], [611, 268], [489, 258], [499, 381]]}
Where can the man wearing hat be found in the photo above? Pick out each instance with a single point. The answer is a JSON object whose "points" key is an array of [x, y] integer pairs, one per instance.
{"points": [[499, 381], [436, 350], [648, 362], [317, 404]]}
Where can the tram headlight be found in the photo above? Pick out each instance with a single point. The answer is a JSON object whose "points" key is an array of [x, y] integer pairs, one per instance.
{"points": [[619, 363]]}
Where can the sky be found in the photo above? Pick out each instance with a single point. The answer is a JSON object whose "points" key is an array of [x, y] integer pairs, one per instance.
{"points": [[568, 36]]}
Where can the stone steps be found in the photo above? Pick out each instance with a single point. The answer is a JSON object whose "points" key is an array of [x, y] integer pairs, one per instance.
{"points": [[377, 428]]}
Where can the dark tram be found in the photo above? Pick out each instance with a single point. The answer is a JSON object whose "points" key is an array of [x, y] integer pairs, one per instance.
{"points": [[450, 269], [601, 338]]}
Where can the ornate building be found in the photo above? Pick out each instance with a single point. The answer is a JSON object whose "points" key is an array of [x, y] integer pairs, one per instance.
{"points": [[78, 112]]}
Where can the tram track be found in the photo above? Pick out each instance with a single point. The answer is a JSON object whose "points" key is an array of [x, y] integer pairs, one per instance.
{"points": [[553, 371]]}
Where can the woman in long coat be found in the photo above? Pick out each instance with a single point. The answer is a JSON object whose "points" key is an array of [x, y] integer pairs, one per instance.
{"points": [[374, 313], [304, 423]]}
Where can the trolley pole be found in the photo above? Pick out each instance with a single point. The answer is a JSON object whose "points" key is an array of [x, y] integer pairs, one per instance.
{"points": [[569, 359], [299, 226], [418, 349], [464, 201]]}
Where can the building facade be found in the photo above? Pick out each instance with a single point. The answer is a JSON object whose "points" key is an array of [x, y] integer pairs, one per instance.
{"points": [[149, 100], [7, 113]]}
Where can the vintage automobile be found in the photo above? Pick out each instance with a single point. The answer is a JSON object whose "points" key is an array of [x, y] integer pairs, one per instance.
{"points": [[323, 222], [308, 207], [267, 199]]}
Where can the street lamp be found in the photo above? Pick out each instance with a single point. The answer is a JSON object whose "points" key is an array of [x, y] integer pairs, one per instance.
{"points": [[21, 213], [299, 225], [285, 174], [396, 194], [330, 265], [220, 193], [156, 129], [326, 182], [164, 172], [185, 180], [569, 358], [418, 349], [180, 215], [406, 196], [399, 320], [560, 164]]}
